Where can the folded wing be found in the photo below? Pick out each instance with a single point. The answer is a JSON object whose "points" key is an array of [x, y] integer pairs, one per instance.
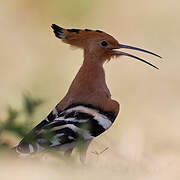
{"points": [[78, 122]]}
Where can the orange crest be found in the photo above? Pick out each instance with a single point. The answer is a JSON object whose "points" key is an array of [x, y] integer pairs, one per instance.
{"points": [[96, 44]]}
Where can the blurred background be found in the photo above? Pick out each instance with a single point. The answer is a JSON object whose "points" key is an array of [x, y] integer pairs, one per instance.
{"points": [[144, 142]]}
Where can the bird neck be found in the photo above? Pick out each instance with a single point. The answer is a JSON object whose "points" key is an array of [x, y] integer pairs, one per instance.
{"points": [[90, 79], [89, 87]]}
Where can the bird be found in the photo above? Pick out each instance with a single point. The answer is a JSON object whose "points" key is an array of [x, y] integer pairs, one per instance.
{"points": [[87, 110]]}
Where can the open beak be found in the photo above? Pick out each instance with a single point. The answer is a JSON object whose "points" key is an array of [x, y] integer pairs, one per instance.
{"points": [[138, 49]]}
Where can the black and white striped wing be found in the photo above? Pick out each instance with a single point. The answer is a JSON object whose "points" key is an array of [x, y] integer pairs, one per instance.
{"points": [[62, 131]]}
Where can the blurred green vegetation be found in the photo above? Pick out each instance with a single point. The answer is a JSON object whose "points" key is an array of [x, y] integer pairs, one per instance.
{"points": [[13, 126], [20, 121]]}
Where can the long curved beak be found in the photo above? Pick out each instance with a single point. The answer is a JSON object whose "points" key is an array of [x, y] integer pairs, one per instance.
{"points": [[138, 49]]}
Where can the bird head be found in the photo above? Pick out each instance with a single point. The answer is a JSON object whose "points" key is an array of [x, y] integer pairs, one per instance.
{"points": [[97, 43]]}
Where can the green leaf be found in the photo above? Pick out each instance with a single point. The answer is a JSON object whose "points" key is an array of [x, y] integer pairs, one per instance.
{"points": [[12, 114], [30, 104]]}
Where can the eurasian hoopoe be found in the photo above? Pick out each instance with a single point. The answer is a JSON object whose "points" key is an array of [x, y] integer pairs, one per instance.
{"points": [[87, 110]]}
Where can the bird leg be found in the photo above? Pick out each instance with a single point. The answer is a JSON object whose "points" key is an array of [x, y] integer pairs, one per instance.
{"points": [[68, 152], [83, 151]]}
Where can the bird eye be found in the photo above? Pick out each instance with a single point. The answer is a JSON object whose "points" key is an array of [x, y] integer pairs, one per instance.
{"points": [[104, 43]]}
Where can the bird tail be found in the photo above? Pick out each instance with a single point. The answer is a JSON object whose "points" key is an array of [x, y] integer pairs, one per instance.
{"points": [[24, 149]]}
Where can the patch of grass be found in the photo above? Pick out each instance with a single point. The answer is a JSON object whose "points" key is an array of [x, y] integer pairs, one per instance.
{"points": [[13, 126]]}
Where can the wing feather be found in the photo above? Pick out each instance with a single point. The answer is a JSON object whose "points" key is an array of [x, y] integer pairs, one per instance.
{"points": [[65, 128]]}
